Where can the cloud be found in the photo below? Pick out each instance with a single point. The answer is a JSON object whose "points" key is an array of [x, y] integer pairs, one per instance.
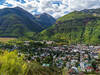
{"points": [[83, 4], [56, 8]]}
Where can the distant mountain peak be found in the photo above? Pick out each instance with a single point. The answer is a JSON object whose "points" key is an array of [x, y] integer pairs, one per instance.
{"points": [[45, 14], [45, 19], [92, 11]]}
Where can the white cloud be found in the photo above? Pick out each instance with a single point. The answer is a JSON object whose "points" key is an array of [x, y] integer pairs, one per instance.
{"points": [[1, 7], [56, 8], [83, 4]]}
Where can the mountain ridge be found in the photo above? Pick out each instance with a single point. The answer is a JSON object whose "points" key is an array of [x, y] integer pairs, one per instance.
{"points": [[17, 22]]}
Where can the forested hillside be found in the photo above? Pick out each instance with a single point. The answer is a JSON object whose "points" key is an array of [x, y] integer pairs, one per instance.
{"points": [[16, 22], [76, 27]]}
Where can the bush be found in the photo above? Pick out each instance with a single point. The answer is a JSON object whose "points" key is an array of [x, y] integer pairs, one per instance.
{"points": [[11, 64]]}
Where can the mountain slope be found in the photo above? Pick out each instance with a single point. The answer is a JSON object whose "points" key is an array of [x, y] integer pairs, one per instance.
{"points": [[45, 20], [17, 22], [76, 27]]}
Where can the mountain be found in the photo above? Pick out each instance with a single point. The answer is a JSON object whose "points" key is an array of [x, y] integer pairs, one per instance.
{"points": [[16, 22], [92, 11], [75, 27], [45, 20]]}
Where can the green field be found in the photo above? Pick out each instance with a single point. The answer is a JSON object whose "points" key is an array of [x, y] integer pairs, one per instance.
{"points": [[6, 39]]}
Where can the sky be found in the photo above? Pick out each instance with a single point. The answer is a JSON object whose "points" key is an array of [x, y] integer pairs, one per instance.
{"points": [[56, 8]]}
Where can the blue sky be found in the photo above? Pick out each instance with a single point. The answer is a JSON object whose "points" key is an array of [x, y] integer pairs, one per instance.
{"points": [[2, 1], [56, 8]]}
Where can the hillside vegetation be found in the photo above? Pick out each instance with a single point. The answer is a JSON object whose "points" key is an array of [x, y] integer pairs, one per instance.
{"points": [[13, 64], [76, 27]]}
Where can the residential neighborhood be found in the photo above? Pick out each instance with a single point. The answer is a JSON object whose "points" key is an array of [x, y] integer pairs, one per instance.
{"points": [[76, 59]]}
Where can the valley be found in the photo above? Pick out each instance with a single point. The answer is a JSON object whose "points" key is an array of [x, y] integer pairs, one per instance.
{"points": [[42, 45]]}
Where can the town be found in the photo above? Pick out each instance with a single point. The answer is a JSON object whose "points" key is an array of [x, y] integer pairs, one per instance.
{"points": [[75, 59]]}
